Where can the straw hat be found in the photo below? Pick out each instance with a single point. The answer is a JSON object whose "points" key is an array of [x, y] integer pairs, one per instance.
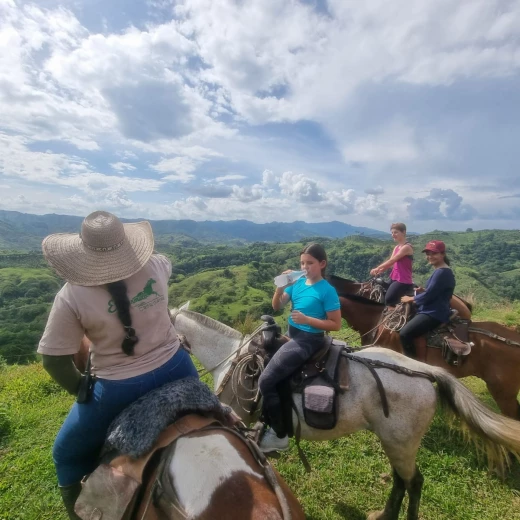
{"points": [[105, 251]]}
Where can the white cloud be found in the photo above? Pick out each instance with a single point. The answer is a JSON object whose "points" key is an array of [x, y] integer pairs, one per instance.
{"points": [[300, 187], [178, 168], [122, 166], [230, 177], [45, 168]]}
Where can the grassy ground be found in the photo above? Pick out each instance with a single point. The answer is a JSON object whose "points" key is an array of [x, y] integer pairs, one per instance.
{"points": [[349, 477]]}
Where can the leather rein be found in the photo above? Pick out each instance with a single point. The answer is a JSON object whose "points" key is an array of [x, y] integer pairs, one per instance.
{"points": [[494, 336]]}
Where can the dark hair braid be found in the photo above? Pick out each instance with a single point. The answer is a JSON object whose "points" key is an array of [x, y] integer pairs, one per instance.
{"points": [[122, 303]]}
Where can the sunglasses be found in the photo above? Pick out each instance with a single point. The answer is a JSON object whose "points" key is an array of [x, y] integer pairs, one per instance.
{"points": [[429, 253]]}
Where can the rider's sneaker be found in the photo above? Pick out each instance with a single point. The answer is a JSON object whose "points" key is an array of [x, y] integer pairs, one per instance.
{"points": [[271, 442]]}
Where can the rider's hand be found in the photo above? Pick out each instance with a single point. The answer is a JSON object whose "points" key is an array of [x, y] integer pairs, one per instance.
{"points": [[374, 271], [406, 299], [299, 317]]}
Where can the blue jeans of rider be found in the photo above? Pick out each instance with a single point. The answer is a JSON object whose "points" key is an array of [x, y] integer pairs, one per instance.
{"points": [[80, 439]]}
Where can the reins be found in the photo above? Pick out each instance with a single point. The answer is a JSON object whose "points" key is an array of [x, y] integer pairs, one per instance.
{"points": [[494, 336]]}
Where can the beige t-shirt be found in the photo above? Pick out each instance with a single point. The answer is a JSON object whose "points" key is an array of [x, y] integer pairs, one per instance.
{"points": [[90, 311]]}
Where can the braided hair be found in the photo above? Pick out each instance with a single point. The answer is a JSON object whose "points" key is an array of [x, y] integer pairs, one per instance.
{"points": [[119, 295]]}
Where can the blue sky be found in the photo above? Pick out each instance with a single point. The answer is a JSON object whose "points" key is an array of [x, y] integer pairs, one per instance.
{"points": [[267, 110]]}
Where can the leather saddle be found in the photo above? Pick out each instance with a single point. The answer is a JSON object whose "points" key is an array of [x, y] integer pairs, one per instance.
{"points": [[318, 380], [451, 337]]}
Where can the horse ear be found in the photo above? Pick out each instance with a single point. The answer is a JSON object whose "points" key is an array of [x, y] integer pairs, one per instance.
{"points": [[185, 306]]}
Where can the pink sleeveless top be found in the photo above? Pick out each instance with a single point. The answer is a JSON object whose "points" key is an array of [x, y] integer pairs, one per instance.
{"points": [[402, 269]]}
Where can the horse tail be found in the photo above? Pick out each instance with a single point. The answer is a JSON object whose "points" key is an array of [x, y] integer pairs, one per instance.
{"points": [[495, 434]]}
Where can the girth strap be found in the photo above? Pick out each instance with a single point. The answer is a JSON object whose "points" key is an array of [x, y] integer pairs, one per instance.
{"points": [[371, 364], [380, 387]]}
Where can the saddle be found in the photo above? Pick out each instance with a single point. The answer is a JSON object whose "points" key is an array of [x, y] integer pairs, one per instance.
{"points": [[451, 337], [317, 380]]}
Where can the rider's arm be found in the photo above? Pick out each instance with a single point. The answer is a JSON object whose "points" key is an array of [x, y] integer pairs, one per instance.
{"points": [[280, 298], [331, 322], [63, 371], [406, 250], [439, 281]]}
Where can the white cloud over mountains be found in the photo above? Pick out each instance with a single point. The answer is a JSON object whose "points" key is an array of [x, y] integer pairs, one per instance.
{"points": [[267, 110]]}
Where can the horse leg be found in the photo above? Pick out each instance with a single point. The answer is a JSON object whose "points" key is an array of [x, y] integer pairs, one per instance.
{"points": [[400, 437], [414, 489], [505, 398], [393, 504]]}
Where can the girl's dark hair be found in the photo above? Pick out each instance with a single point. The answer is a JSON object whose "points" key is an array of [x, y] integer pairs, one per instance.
{"points": [[316, 251], [446, 259], [122, 303]]}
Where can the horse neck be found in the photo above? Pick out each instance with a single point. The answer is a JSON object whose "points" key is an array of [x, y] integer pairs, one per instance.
{"points": [[197, 476], [208, 345], [361, 317]]}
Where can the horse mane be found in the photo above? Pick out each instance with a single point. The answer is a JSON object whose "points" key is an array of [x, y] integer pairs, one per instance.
{"points": [[360, 299], [212, 324], [335, 277]]}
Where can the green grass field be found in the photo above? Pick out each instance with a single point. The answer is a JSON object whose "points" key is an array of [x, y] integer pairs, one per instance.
{"points": [[350, 476]]}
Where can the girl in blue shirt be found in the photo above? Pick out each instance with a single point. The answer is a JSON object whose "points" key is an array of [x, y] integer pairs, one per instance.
{"points": [[433, 305], [315, 309]]}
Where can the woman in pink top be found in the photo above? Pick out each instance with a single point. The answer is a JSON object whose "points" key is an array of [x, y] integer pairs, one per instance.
{"points": [[401, 262]]}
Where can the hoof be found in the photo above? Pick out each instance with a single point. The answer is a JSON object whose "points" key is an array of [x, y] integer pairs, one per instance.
{"points": [[376, 515]]}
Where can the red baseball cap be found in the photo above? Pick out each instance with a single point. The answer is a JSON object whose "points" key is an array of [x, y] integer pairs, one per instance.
{"points": [[436, 246]]}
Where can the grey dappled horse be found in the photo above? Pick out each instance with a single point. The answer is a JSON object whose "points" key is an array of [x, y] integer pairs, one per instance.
{"points": [[412, 403]]}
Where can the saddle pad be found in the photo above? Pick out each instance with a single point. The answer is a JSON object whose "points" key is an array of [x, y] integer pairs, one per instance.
{"points": [[137, 427]]}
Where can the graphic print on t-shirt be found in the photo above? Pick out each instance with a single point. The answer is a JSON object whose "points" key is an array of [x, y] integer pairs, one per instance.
{"points": [[140, 301]]}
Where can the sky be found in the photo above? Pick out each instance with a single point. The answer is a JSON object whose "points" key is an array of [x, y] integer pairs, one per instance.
{"points": [[267, 110]]}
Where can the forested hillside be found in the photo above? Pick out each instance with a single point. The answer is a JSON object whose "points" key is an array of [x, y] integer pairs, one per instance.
{"points": [[229, 282]]}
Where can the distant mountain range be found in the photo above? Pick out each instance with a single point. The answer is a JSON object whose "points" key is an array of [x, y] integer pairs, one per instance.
{"points": [[24, 231]]}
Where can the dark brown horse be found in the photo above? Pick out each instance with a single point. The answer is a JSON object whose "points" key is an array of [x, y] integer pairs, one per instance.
{"points": [[491, 359]]}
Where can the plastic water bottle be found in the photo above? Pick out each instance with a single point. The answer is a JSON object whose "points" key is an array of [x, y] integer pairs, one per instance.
{"points": [[285, 279]]}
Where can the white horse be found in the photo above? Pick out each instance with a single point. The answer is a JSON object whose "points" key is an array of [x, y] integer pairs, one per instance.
{"points": [[412, 403]]}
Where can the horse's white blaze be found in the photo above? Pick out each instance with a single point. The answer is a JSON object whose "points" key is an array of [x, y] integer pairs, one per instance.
{"points": [[200, 465]]}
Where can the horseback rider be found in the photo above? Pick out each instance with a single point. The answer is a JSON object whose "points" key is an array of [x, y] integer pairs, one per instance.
{"points": [[433, 303], [315, 309], [134, 344], [401, 263]]}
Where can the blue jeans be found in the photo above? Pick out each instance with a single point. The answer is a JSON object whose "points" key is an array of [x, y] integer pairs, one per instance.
{"points": [[81, 437]]}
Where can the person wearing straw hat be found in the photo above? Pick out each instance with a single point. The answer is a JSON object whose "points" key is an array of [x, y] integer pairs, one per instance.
{"points": [[116, 293]]}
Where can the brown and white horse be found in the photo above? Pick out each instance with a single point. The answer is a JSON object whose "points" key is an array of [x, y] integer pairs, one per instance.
{"points": [[212, 471]]}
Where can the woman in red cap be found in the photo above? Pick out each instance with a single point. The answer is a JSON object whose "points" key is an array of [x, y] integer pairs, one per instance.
{"points": [[433, 305]]}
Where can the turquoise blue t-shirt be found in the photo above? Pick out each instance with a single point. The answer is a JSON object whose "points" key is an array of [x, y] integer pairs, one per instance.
{"points": [[313, 301]]}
